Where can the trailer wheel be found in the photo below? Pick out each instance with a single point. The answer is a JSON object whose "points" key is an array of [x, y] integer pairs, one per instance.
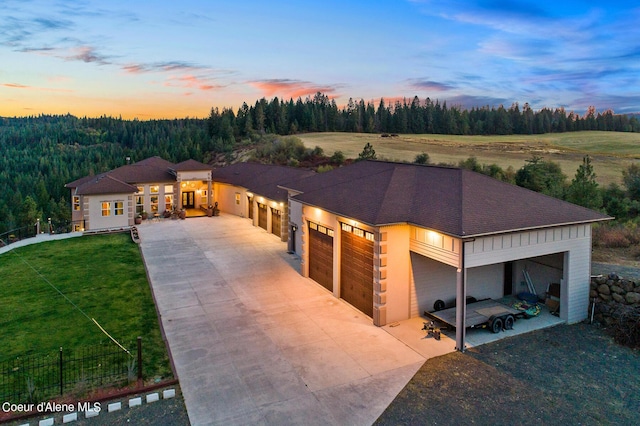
{"points": [[508, 322], [496, 325], [439, 305]]}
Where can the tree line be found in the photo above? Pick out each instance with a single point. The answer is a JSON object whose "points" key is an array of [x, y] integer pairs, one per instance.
{"points": [[321, 114], [40, 154]]}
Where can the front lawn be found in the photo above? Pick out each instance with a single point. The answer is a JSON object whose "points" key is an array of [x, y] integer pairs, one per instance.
{"points": [[51, 291]]}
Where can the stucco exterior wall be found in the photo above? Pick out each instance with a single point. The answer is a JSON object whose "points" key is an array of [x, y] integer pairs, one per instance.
{"points": [[397, 264], [295, 218], [97, 221], [225, 195]]}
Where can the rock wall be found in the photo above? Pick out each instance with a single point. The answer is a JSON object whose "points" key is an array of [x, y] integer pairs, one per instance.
{"points": [[613, 295]]}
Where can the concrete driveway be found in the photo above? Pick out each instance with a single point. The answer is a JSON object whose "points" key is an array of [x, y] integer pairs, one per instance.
{"points": [[254, 342]]}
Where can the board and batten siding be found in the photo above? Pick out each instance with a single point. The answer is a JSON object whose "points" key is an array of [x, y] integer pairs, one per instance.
{"points": [[573, 240]]}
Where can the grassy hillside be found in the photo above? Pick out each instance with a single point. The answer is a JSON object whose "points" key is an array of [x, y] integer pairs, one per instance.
{"points": [[611, 151]]}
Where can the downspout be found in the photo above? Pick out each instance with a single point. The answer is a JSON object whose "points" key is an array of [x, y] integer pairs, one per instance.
{"points": [[461, 301]]}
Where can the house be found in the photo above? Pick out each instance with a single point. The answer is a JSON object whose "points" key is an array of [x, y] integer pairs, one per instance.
{"points": [[113, 199], [389, 238], [392, 238]]}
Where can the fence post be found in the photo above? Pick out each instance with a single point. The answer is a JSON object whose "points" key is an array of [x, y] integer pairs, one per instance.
{"points": [[139, 361], [61, 374]]}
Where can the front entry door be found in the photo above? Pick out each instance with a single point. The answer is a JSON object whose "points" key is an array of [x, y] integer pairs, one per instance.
{"points": [[188, 200]]}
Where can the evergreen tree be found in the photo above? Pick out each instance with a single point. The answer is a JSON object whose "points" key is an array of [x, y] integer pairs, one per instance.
{"points": [[584, 188], [368, 153]]}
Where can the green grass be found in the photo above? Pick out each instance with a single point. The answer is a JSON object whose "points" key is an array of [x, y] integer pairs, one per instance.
{"points": [[611, 152], [103, 275]]}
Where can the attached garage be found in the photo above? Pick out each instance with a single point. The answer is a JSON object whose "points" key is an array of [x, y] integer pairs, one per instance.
{"points": [[321, 255], [438, 237], [262, 216], [276, 222], [356, 270]]}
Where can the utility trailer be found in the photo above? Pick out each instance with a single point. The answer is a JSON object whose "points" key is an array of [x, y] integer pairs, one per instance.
{"points": [[487, 313]]}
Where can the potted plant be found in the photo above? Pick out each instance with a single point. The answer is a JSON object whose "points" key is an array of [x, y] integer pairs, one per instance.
{"points": [[216, 210], [210, 210], [183, 214], [166, 214], [144, 215], [138, 219]]}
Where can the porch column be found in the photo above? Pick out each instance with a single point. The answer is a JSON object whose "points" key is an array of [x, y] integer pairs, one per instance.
{"points": [[461, 301], [209, 199]]}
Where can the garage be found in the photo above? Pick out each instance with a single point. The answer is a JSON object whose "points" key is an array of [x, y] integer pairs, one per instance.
{"points": [[356, 272], [276, 222], [262, 216], [321, 255]]}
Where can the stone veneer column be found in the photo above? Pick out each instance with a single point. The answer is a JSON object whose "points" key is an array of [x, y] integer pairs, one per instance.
{"points": [[380, 279]]}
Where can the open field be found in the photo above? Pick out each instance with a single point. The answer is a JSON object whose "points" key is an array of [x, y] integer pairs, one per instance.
{"points": [[611, 152], [102, 275]]}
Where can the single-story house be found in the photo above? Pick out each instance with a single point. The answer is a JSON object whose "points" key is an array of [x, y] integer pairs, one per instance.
{"points": [[113, 199], [392, 238], [389, 238]]}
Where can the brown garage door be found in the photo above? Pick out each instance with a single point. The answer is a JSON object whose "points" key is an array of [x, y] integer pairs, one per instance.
{"points": [[276, 222], [356, 273], [262, 216], [321, 255]]}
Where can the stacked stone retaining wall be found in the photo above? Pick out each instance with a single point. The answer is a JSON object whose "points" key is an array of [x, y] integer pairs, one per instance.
{"points": [[613, 295]]}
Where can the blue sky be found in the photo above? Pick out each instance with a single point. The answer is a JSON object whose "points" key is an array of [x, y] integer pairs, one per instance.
{"points": [[166, 59]]}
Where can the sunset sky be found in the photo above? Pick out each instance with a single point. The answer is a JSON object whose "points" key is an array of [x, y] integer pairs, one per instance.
{"points": [[167, 59]]}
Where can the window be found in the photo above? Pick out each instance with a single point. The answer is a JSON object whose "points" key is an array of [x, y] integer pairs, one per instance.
{"points": [[168, 189], [106, 208], [118, 208], [168, 202], [237, 198], [154, 203], [154, 189], [139, 204], [203, 197], [76, 202]]}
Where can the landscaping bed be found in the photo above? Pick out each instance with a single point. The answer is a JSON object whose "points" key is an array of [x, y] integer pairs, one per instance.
{"points": [[562, 375]]}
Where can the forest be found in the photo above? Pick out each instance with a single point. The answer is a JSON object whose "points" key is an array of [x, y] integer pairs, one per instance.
{"points": [[40, 154]]}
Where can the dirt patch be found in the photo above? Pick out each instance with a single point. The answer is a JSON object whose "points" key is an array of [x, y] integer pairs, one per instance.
{"points": [[562, 375]]}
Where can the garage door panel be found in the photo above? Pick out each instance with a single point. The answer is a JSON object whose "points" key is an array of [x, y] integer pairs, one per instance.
{"points": [[356, 274], [262, 216], [321, 258], [276, 222]]}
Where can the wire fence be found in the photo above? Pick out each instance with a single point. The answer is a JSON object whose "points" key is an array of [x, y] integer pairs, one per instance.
{"points": [[49, 227], [37, 378]]}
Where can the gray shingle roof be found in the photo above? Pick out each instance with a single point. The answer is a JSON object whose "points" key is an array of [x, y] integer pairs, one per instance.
{"points": [[150, 170], [262, 179], [104, 184], [457, 202]]}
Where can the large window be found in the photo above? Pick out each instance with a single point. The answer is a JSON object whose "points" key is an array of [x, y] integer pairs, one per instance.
{"points": [[118, 208], [203, 197], [106, 208], [76, 202], [154, 203], [140, 200], [168, 197]]}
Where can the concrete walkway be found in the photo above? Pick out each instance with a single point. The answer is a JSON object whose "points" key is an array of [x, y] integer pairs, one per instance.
{"points": [[254, 342]]}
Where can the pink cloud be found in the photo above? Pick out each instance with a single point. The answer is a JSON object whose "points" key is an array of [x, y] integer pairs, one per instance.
{"points": [[43, 89], [290, 88], [191, 82]]}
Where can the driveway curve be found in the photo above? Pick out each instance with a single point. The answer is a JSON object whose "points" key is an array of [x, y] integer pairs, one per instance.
{"points": [[254, 342]]}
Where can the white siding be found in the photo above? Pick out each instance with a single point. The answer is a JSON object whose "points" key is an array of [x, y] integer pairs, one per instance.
{"points": [[434, 245], [97, 221], [573, 240], [486, 282], [431, 280]]}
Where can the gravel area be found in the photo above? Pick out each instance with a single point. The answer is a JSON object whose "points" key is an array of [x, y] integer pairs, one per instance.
{"points": [[564, 375]]}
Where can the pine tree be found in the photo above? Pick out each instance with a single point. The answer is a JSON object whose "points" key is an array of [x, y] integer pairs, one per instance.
{"points": [[584, 188]]}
